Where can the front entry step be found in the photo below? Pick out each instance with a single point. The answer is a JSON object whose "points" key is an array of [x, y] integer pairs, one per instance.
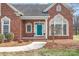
{"points": [[33, 37]]}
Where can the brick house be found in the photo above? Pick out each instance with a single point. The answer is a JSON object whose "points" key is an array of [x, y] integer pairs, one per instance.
{"points": [[37, 21]]}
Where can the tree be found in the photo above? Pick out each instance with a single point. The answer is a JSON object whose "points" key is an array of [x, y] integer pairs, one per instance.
{"points": [[52, 32]]}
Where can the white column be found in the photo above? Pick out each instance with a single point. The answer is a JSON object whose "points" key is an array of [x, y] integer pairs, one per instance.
{"points": [[46, 29]]}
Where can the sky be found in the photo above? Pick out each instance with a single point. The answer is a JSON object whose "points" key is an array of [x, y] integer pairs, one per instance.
{"points": [[75, 6], [39, 1]]}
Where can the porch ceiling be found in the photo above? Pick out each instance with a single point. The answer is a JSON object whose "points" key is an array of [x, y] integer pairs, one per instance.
{"points": [[34, 17]]}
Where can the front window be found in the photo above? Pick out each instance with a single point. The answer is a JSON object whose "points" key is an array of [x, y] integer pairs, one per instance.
{"points": [[5, 28], [58, 29], [5, 25], [59, 26], [28, 27]]}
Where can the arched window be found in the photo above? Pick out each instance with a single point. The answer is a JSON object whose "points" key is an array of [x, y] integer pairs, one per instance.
{"points": [[5, 25], [28, 27], [59, 26]]}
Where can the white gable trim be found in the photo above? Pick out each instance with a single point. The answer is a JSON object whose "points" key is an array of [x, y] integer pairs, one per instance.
{"points": [[49, 7], [34, 17], [17, 12], [66, 5]]}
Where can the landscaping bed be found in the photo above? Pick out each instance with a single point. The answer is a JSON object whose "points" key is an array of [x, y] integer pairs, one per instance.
{"points": [[62, 44], [14, 43], [7, 40]]}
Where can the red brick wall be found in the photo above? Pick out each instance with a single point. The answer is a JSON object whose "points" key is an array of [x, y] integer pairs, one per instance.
{"points": [[67, 14], [15, 20]]}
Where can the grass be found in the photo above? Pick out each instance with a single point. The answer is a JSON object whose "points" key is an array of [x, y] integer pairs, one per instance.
{"points": [[59, 52], [76, 37], [44, 52]]}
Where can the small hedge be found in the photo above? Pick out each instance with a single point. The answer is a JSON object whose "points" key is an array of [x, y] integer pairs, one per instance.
{"points": [[9, 36], [2, 37]]}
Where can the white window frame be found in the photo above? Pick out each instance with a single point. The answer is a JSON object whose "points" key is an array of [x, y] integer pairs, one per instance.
{"points": [[2, 23], [62, 29], [67, 28], [26, 27], [58, 8]]}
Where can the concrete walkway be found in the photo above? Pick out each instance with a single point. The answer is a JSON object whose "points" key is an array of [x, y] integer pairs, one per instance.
{"points": [[33, 45]]}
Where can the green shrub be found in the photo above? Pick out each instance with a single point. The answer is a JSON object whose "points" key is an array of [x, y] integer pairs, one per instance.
{"points": [[2, 37], [9, 36]]}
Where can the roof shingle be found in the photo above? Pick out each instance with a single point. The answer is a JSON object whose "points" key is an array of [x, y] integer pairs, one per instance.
{"points": [[32, 9]]}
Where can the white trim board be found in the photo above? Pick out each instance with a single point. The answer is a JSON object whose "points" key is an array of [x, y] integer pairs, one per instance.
{"points": [[34, 17], [46, 29], [43, 29], [26, 27]]}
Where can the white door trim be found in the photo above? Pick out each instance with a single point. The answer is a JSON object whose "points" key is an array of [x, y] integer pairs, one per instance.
{"points": [[35, 27]]}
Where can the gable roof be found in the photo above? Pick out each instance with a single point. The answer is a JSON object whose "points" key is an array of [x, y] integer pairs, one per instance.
{"points": [[64, 4], [35, 9]]}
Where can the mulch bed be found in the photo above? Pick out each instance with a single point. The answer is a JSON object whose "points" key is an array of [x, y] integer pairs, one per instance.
{"points": [[14, 43], [61, 44]]}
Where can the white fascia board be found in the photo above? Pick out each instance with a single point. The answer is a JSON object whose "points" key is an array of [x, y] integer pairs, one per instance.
{"points": [[49, 7], [34, 17]]}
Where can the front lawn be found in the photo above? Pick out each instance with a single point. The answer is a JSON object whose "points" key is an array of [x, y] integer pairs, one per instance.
{"points": [[76, 37], [44, 52], [58, 52]]}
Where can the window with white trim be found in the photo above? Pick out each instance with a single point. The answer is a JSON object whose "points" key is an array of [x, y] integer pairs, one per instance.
{"points": [[28, 27], [58, 8], [5, 22], [59, 26]]}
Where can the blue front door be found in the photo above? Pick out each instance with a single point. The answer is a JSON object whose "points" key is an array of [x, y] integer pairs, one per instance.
{"points": [[39, 29]]}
